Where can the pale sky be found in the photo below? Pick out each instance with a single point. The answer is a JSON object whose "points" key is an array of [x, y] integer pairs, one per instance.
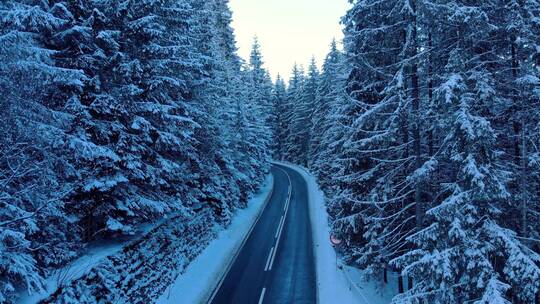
{"points": [[289, 31]]}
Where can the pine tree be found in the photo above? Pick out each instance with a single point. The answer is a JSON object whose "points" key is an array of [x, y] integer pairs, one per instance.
{"points": [[332, 83], [462, 226], [30, 136], [259, 101], [122, 112], [428, 129], [454, 262], [280, 110], [517, 30], [261, 83], [374, 198], [303, 99]]}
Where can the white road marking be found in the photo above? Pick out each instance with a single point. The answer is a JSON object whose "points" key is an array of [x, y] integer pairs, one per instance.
{"points": [[281, 223], [246, 237], [261, 298], [273, 257], [277, 243], [288, 176], [279, 226], [268, 259]]}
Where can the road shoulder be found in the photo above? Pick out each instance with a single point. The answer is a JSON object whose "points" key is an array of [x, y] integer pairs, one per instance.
{"points": [[204, 274], [332, 284]]}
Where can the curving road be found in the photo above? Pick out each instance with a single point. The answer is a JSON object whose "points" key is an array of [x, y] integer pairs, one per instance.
{"points": [[276, 264]]}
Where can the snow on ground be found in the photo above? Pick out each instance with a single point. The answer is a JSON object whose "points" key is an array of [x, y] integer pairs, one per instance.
{"points": [[374, 291], [203, 274], [76, 269], [97, 251], [94, 254], [335, 284]]}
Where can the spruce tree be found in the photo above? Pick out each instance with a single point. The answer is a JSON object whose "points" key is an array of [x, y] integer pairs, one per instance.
{"points": [[279, 112], [33, 226], [331, 87]]}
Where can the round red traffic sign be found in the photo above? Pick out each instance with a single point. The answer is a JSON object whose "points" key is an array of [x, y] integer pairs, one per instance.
{"points": [[334, 240]]}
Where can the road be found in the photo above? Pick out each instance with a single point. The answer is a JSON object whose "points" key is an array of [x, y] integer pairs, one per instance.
{"points": [[276, 264]]}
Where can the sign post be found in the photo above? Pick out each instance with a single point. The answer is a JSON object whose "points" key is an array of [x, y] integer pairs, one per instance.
{"points": [[335, 242]]}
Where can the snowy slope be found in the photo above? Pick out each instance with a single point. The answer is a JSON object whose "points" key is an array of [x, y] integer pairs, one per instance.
{"points": [[196, 284], [94, 254], [144, 270], [335, 284]]}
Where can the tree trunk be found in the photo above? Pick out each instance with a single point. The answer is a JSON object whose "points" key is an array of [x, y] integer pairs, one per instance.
{"points": [[523, 178], [430, 92], [520, 143], [416, 115]]}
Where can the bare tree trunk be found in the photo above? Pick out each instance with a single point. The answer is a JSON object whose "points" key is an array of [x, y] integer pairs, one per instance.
{"points": [[430, 92], [416, 114], [520, 143], [523, 178]]}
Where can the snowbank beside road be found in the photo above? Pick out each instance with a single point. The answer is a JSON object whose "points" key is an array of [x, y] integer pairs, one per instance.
{"points": [[332, 285], [346, 285], [143, 270], [203, 274]]}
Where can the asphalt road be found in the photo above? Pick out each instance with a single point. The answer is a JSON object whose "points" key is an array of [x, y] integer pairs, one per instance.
{"points": [[276, 264]]}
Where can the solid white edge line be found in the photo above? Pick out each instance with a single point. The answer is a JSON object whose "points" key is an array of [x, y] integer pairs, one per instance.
{"points": [[246, 237], [261, 298], [268, 259]]}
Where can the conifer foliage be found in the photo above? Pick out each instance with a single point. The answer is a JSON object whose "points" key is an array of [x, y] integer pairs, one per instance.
{"points": [[423, 133], [118, 113]]}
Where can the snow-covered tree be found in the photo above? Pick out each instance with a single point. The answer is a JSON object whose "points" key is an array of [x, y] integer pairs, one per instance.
{"points": [[119, 113], [302, 93], [330, 88], [375, 204], [455, 259], [279, 109], [426, 159], [33, 228], [259, 99]]}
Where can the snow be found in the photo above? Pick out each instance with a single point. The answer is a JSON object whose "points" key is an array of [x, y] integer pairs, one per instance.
{"points": [[94, 254], [337, 283], [203, 274], [372, 291], [76, 269]]}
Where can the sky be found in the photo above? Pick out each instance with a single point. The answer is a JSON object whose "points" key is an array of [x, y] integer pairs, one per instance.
{"points": [[289, 31]]}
